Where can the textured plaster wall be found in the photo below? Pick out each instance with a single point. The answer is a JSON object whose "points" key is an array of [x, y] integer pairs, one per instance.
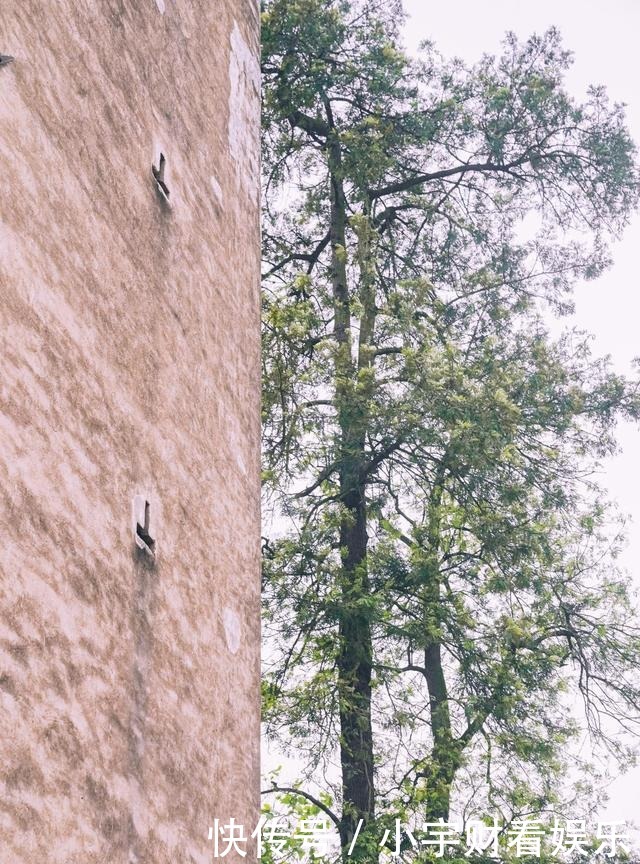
{"points": [[129, 366]]}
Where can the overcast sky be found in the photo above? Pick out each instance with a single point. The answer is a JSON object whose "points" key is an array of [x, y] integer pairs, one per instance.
{"points": [[604, 39]]}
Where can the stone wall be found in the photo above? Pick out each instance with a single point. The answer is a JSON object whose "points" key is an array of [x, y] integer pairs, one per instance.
{"points": [[129, 367]]}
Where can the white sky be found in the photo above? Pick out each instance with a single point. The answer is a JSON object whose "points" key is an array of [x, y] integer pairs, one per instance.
{"points": [[604, 37]]}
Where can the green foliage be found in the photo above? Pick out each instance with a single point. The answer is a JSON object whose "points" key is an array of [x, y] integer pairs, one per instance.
{"points": [[442, 560]]}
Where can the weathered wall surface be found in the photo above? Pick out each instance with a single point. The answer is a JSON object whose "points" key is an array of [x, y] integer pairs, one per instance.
{"points": [[129, 365]]}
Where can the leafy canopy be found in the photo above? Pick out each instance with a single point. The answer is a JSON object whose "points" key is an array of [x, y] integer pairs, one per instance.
{"points": [[440, 579]]}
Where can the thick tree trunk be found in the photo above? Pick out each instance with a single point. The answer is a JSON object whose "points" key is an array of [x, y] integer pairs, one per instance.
{"points": [[354, 670], [355, 650]]}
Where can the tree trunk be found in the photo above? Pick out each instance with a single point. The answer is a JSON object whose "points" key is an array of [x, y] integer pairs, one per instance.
{"points": [[444, 758], [355, 650], [354, 669]]}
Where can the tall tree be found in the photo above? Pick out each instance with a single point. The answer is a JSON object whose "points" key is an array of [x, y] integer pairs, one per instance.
{"points": [[445, 573]]}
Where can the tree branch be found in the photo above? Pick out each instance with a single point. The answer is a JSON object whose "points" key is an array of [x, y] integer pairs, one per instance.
{"points": [[315, 801], [468, 167]]}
